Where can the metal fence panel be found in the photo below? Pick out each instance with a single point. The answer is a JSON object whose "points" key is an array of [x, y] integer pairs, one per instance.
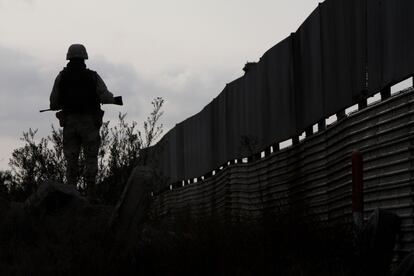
{"points": [[390, 42], [315, 175], [343, 52]]}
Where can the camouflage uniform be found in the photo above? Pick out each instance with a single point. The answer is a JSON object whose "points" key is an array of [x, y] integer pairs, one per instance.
{"points": [[81, 118], [80, 130]]}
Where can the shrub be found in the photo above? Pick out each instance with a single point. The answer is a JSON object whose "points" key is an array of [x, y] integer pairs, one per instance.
{"points": [[37, 161]]}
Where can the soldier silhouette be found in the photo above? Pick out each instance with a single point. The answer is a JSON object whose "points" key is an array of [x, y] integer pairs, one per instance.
{"points": [[79, 92]]}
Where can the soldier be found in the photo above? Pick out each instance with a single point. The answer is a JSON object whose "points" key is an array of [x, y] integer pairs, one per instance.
{"points": [[79, 93]]}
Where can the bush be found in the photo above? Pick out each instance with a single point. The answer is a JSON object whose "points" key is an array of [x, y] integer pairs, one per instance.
{"points": [[120, 149]]}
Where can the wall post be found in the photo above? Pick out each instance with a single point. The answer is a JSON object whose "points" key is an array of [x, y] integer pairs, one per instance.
{"points": [[357, 189]]}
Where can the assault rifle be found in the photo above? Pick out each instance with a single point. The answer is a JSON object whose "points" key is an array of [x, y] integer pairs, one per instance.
{"points": [[117, 101]]}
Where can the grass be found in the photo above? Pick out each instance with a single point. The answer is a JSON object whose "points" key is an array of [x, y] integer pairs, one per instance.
{"points": [[75, 241]]}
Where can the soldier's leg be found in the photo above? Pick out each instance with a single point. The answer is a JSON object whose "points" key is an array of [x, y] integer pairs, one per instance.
{"points": [[90, 144], [71, 150]]}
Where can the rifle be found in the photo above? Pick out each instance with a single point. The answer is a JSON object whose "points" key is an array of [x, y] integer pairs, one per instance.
{"points": [[117, 101]]}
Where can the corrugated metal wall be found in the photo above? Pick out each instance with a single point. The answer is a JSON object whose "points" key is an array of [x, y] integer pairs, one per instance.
{"points": [[316, 173], [345, 51]]}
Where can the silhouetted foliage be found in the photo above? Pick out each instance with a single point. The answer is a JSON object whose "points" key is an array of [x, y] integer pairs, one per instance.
{"points": [[38, 160], [73, 242], [124, 143], [5, 181], [280, 244]]}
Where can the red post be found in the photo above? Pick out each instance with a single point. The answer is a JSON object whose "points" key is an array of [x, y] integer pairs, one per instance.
{"points": [[357, 188]]}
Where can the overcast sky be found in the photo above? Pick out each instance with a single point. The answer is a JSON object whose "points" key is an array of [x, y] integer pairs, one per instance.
{"points": [[183, 50]]}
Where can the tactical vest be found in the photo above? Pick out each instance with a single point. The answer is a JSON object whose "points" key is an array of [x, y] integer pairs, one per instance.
{"points": [[78, 90]]}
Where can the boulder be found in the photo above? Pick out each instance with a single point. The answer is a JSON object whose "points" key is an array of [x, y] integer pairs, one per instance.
{"points": [[131, 211], [406, 268], [54, 197]]}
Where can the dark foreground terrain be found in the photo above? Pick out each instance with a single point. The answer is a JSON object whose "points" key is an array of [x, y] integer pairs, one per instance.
{"points": [[59, 233]]}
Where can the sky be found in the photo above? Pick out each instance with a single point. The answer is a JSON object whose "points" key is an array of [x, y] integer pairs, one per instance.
{"points": [[184, 51]]}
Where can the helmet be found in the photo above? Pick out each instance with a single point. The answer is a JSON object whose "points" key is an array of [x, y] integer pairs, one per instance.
{"points": [[76, 51]]}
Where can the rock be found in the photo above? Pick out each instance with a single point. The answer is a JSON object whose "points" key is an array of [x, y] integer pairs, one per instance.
{"points": [[131, 210], [406, 268], [52, 197]]}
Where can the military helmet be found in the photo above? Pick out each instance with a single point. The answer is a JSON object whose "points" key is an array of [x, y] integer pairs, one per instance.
{"points": [[76, 51]]}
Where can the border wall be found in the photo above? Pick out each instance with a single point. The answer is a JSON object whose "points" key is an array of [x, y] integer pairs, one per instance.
{"points": [[315, 172], [344, 52], [230, 160]]}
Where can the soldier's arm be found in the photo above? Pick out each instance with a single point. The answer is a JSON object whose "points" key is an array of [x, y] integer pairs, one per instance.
{"points": [[54, 96], [104, 95]]}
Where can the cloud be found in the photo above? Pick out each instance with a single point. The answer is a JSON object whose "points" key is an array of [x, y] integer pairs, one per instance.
{"points": [[6, 147], [3, 3], [23, 86], [26, 82], [185, 90], [188, 90]]}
